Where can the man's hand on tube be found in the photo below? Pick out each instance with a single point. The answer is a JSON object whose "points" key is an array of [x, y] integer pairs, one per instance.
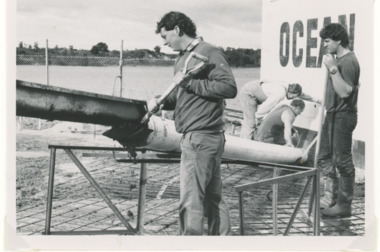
{"points": [[153, 106]]}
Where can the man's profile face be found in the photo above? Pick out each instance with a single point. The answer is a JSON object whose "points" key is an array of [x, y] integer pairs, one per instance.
{"points": [[331, 46], [299, 110], [291, 96], [171, 38]]}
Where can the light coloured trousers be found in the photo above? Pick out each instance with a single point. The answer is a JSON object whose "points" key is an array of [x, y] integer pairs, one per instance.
{"points": [[249, 107], [201, 185]]}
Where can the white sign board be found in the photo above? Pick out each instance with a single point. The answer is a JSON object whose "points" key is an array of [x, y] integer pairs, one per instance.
{"points": [[292, 50]]}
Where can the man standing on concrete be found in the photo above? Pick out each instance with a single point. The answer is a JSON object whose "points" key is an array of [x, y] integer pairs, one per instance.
{"points": [[198, 105], [340, 122], [277, 127]]}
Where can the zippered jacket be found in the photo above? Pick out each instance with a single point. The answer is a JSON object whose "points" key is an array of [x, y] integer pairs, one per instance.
{"points": [[200, 105]]}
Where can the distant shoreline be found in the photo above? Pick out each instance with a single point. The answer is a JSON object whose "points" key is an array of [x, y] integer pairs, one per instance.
{"points": [[57, 60]]}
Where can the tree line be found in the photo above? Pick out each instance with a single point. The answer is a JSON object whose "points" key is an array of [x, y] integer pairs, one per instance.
{"points": [[239, 57]]}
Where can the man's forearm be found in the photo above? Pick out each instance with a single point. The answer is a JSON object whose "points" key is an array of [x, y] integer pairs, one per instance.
{"points": [[214, 88], [288, 136], [307, 97], [340, 86]]}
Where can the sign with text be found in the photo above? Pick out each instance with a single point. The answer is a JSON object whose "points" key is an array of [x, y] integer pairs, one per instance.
{"points": [[292, 50]]}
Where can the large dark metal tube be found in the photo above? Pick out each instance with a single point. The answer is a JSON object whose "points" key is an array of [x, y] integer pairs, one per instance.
{"points": [[124, 115], [55, 103]]}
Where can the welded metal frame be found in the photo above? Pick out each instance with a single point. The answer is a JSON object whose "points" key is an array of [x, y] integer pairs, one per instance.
{"points": [[301, 172], [67, 149]]}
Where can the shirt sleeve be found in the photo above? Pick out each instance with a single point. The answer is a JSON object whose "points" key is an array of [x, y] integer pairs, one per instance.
{"points": [[350, 72], [269, 104], [307, 97], [219, 82]]}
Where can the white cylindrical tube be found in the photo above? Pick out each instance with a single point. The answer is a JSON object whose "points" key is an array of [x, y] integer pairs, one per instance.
{"points": [[165, 138]]}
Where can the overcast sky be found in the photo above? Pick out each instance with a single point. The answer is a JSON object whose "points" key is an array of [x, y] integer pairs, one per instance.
{"points": [[233, 23]]}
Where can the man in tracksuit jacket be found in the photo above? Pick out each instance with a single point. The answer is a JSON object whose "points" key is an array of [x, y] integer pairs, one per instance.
{"points": [[198, 105]]}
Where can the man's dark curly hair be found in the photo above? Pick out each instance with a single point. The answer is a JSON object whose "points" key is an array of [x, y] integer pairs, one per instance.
{"points": [[295, 88], [336, 32], [298, 103], [172, 19]]}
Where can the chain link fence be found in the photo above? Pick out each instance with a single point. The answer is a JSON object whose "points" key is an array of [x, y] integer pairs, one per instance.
{"points": [[105, 75], [57, 60], [133, 78]]}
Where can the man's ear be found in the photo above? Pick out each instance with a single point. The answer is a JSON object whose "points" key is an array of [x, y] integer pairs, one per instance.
{"points": [[178, 30]]}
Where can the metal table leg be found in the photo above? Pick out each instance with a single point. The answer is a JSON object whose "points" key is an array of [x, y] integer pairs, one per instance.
{"points": [[241, 213], [274, 202], [49, 203], [142, 195]]}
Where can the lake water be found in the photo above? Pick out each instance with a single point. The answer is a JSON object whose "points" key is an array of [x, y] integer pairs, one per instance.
{"points": [[140, 82]]}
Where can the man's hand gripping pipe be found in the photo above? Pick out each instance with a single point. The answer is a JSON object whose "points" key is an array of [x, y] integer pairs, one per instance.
{"points": [[186, 74]]}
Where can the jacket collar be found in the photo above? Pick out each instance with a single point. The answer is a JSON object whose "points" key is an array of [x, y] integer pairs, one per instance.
{"points": [[192, 45]]}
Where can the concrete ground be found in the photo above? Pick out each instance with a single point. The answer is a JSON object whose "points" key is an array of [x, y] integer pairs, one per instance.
{"points": [[78, 207]]}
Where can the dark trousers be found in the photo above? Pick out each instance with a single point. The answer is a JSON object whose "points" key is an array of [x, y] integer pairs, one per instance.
{"points": [[336, 144], [201, 185]]}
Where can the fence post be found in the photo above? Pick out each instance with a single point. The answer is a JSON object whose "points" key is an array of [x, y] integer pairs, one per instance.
{"points": [[47, 62], [47, 73], [121, 70]]}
